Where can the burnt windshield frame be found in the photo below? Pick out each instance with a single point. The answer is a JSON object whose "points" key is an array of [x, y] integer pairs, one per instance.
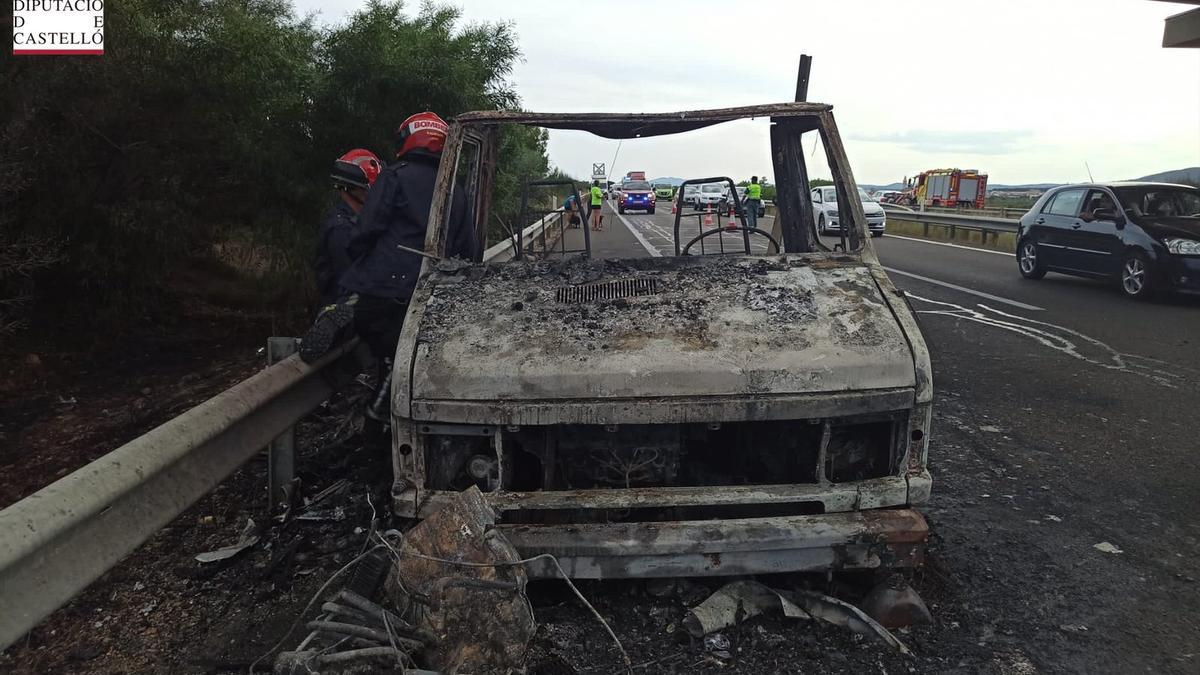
{"points": [[794, 225]]}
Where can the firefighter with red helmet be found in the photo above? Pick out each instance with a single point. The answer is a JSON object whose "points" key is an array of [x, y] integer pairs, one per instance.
{"points": [[375, 290], [353, 174]]}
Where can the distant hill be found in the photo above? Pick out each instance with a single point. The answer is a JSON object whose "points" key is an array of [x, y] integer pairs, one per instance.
{"points": [[1190, 175]]}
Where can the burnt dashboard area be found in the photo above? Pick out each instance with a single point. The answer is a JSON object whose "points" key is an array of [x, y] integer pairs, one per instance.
{"points": [[588, 457]]}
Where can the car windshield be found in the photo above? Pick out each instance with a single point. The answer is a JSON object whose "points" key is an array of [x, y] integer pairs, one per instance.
{"points": [[636, 185], [1154, 200], [712, 188], [829, 195]]}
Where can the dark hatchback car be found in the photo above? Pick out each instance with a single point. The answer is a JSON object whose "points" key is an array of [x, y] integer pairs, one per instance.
{"points": [[1146, 236]]}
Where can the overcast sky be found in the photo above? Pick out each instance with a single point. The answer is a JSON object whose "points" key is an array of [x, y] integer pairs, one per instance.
{"points": [[1026, 90]]}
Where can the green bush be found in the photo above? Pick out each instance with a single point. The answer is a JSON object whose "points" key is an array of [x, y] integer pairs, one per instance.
{"points": [[206, 132]]}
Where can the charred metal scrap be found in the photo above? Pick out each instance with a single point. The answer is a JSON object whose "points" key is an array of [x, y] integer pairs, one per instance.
{"points": [[455, 602]]}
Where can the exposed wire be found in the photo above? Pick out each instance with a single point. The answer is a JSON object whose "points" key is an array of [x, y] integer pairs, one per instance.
{"points": [[316, 595], [524, 561]]}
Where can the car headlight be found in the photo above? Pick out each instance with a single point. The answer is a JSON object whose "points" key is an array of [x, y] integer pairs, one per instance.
{"points": [[1182, 246]]}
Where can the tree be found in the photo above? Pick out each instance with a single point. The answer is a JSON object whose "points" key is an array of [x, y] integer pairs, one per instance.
{"points": [[210, 126]]}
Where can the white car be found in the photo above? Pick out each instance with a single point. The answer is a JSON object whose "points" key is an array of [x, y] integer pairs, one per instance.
{"points": [[825, 211], [711, 194]]}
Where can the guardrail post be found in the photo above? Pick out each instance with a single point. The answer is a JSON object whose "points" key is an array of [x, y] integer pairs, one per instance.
{"points": [[281, 454]]}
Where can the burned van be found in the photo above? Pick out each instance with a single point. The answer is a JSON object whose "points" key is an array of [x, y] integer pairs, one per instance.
{"points": [[751, 400]]}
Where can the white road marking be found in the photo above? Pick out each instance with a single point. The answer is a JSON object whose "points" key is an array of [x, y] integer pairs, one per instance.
{"points": [[1058, 341], [942, 243], [654, 252], [989, 296]]}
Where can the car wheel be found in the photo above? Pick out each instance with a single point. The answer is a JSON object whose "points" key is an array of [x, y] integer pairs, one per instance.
{"points": [[1136, 276], [821, 225], [1028, 261]]}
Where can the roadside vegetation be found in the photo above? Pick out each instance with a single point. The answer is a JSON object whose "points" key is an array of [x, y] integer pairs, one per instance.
{"points": [[190, 163]]}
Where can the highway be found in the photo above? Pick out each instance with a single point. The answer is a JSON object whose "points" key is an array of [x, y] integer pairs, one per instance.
{"points": [[1065, 418]]}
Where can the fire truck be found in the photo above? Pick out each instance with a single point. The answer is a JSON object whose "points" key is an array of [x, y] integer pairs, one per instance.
{"points": [[947, 187]]}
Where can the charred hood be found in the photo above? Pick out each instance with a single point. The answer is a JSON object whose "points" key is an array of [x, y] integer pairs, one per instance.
{"points": [[650, 328]]}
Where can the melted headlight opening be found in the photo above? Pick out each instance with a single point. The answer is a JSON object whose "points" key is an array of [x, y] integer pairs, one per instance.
{"points": [[581, 457]]}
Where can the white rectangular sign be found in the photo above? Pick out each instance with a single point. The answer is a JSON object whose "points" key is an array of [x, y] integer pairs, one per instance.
{"points": [[58, 27]]}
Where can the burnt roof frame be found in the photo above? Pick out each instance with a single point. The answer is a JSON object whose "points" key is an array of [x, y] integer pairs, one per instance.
{"points": [[790, 119]]}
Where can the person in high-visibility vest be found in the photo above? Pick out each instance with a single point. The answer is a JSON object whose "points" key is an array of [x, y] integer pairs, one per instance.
{"points": [[753, 199], [597, 202]]}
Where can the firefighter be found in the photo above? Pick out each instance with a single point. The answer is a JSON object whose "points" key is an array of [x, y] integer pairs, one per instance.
{"points": [[353, 174], [375, 290], [753, 199]]}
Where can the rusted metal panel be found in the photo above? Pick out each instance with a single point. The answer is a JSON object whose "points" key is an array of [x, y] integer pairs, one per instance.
{"points": [[675, 410], [488, 154], [843, 179], [834, 498], [858, 540], [634, 125], [795, 218]]}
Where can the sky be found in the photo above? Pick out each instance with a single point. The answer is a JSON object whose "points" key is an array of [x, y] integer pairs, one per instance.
{"points": [[1025, 90]]}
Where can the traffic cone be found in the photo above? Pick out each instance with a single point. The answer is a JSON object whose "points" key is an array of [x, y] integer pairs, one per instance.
{"points": [[708, 215]]}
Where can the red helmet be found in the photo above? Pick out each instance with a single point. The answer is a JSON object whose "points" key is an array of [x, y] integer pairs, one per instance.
{"points": [[356, 169], [424, 131]]}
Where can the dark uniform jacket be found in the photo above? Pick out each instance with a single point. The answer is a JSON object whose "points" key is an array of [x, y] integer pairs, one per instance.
{"points": [[333, 248], [395, 213]]}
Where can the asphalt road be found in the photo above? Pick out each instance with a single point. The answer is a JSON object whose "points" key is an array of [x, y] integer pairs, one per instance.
{"points": [[1065, 421]]}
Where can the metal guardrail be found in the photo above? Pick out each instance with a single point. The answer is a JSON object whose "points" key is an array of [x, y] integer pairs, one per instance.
{"points": [[952, 221], [60, 539], [1012, 212], [534, 233]]}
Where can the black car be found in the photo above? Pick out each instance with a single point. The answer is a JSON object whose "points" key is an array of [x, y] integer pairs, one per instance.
{"points": [[1146, 236]]}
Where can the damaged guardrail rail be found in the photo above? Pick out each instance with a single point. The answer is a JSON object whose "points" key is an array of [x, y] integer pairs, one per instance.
{"points": [[58, 540]]}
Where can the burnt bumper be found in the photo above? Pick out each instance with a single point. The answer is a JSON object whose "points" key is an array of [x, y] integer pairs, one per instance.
{"points": [[880, 538]]}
